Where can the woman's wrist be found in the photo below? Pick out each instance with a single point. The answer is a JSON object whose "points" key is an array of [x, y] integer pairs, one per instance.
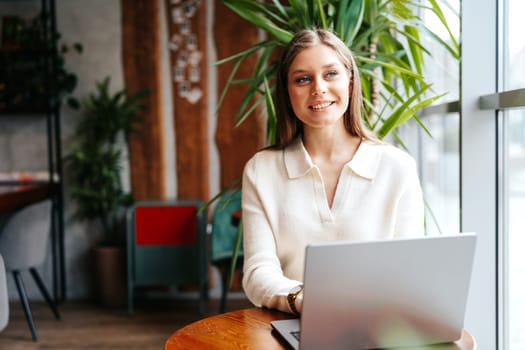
{"points": [[292, 298]]}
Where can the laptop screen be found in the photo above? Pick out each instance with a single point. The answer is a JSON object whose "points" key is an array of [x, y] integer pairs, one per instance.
{"points": [[400, 292]]}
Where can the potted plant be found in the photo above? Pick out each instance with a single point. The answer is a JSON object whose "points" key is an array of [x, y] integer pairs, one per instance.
{"points": [[95, 166], [385, 37]]}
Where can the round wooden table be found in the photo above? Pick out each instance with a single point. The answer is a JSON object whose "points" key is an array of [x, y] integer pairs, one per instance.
{"points": [[251, 329]]}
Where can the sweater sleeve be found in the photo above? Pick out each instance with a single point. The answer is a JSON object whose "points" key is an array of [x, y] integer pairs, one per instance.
{"points": [[410, 208], [263, 280]]}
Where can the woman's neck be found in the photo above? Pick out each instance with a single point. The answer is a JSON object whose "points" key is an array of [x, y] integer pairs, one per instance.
{"points": [[330, 144], [330, 150]]}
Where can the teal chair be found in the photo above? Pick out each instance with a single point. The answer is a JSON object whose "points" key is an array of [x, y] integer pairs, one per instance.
{"points": [[223, 237], [166, 245]]}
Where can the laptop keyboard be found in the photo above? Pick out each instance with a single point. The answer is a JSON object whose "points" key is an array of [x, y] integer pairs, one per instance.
{"points": [[295, 334]]}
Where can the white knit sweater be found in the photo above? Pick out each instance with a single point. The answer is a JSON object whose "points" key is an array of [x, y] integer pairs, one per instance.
{"points": [[284, 208]]}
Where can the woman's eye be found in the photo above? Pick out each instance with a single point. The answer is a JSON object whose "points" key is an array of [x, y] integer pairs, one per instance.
{"points": [[302, 80], [332, 73]]}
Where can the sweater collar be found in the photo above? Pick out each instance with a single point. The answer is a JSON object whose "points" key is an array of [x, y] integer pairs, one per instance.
{"points": [[365, 161]]}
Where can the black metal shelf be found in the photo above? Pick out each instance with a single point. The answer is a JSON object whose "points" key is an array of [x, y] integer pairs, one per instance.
{"points": [[50, 110]]}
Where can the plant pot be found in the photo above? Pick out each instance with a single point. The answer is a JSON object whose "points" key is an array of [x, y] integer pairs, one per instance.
{"points": [[110, 275]]}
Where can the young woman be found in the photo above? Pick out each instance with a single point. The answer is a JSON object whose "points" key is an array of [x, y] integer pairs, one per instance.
{"points": [[327, 178]]}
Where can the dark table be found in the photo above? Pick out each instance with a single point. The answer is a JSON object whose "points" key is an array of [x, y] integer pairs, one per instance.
{"points": [[16, 196]]}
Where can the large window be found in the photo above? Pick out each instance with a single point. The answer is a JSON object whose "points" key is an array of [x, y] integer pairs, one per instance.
{"points": [[513, 178], [438, 154], [472, 169], [440, 173], [507, 106], [514, 281]]}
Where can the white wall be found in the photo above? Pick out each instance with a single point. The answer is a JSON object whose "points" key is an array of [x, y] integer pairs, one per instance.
{"points": [[96, 24]]}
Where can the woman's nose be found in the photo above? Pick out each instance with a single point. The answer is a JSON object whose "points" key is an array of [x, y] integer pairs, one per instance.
{"points": [[318, 88]]}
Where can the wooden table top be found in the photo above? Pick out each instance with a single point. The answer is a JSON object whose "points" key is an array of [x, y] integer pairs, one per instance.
{"points": [[13, 197], [251, 329]]}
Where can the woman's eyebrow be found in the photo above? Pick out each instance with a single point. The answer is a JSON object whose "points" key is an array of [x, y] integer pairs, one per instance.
{"points": [[302, 70]]}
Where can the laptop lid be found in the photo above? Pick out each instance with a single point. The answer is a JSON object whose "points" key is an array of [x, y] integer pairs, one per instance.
{"points": [[392, 293]]}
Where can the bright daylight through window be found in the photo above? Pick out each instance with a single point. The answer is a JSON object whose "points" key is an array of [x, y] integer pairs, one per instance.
{"points": [[514, 190], [438, 155]]}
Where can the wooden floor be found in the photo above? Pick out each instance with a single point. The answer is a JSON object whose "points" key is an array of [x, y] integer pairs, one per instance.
{"points": [[88, 326]]}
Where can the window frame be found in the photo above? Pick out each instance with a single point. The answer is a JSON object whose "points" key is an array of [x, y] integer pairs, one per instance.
{"points": [[479, 164]]}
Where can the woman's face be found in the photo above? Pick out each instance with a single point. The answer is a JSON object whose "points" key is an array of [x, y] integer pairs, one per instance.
{"points": [[318, 86]]}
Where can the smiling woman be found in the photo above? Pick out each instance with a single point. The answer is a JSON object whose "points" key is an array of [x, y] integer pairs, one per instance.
{"points": [[319, 95], [318, 88], [326, 178], [302, 71]]}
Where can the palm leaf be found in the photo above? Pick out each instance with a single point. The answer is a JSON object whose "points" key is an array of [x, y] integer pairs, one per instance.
{"points": [[392, 67], [247, 10], [236, 250], [271, 134], [437, 10], [397, 63], [404, 112]]}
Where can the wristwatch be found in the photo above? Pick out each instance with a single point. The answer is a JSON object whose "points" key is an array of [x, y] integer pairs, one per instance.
{"points": [[292, 295]]}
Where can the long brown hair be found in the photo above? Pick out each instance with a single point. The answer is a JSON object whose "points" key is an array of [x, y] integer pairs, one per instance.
{"points": [[288, 125]]}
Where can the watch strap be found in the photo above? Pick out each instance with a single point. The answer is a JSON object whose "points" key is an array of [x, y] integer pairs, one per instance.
{"points": [[292, 296]]}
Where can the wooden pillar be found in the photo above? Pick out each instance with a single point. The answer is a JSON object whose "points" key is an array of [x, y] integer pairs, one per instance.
{"points": [[235, 144], [141, 53], [189, 77]]}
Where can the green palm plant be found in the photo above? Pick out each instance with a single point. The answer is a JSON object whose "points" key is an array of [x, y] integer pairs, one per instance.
{"points": [[385, 37]]}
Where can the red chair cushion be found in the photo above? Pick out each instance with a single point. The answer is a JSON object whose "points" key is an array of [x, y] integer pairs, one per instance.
{"points": [[165, 225]]}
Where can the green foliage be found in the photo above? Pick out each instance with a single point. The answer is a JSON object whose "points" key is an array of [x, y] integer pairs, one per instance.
{"points": [[32, 53], [95, 161], [384, 35]]}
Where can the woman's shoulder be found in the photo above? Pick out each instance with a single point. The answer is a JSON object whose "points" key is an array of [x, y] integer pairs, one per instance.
{"points": [[264, 156], [389, 153], [266, 153]]}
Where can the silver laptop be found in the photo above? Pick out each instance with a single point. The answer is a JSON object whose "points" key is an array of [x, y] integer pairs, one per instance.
{"points": [[382, 294]]}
